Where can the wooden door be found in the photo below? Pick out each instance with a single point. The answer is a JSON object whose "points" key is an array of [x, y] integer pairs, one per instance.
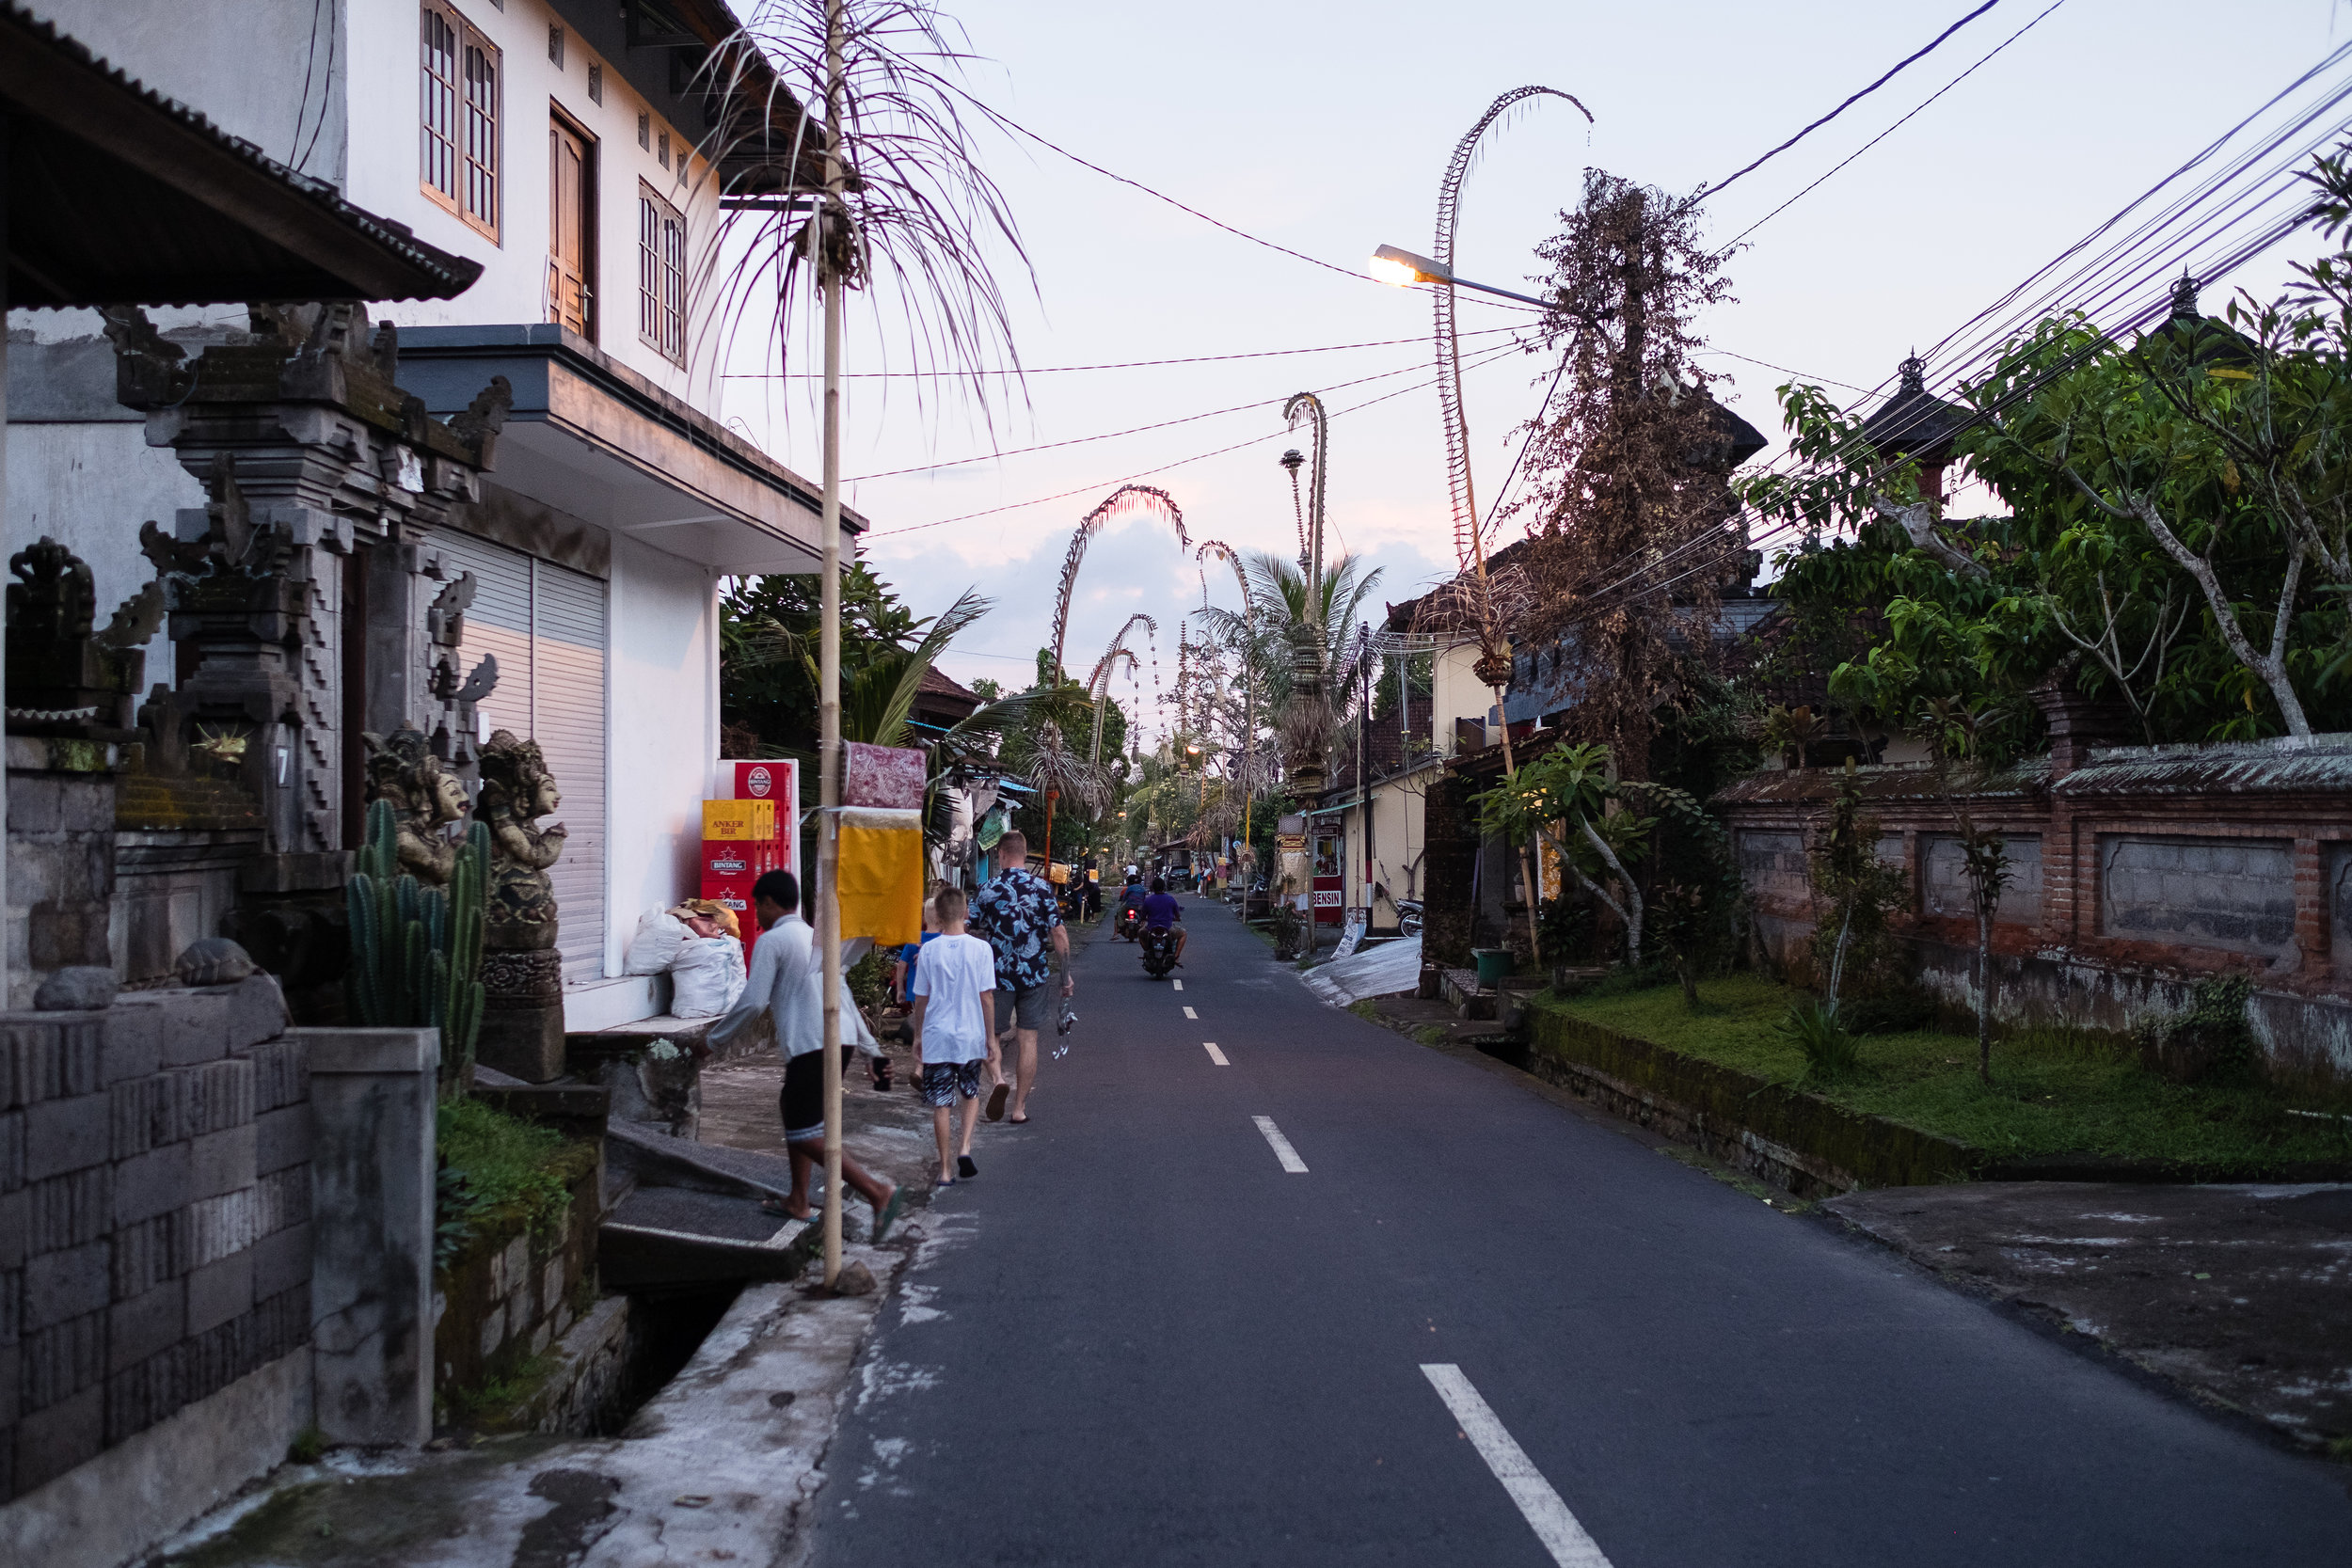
{"points": [[571, 299]]}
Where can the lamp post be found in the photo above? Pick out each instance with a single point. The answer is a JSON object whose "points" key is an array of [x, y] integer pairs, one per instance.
{"points": [[1394, 265]]}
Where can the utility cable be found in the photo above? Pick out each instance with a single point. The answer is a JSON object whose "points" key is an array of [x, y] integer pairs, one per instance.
{"points": [[1137, 430], [1014, 125], [1910, 59], [1888, 131], [1114, 365], [1100, 486]]}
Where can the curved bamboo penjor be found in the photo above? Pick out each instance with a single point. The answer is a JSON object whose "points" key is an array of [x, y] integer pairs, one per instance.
{"points": [[1127, 498], [1308, 405], [1224, 552], [1469, 547], [1099, 683]]}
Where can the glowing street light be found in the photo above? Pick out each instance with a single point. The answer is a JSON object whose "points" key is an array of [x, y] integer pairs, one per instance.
{"points": [[1403, 268]]}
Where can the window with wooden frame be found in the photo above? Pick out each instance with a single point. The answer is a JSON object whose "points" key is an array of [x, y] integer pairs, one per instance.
{"points": [[571, 225], [661, 275], [461, 78]]}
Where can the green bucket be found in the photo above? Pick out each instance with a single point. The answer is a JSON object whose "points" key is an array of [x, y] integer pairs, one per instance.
{"points": [[1494, 963]]}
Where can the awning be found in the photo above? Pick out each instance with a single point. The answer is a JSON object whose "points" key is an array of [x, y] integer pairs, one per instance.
{"points": [[595, 439], [117, 196]]}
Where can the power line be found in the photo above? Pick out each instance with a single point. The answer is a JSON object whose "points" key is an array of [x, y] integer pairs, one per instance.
{"points": [[1015, 126], [1134, 430], [1802, 375], [1099, 485], [1712, 190], [1117, 365], [1890, 129]]}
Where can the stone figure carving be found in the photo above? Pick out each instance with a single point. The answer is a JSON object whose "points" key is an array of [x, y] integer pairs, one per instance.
{"points": [[516, 791], [59, 671], [424, 797]]}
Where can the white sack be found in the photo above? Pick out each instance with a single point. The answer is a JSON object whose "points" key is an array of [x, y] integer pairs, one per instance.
{"points": [[706, 978], [655, 948]]}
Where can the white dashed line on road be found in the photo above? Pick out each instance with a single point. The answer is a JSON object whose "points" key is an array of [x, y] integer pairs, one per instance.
{"points": [[1553, 1525], [1282, 1149], [1215, 1054], [1190, 1014], [1178, 984]]}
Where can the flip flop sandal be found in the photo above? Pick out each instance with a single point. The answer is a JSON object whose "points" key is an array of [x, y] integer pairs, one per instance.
{"points": [[996, 1098], [773, 1207], [889, 1212]]}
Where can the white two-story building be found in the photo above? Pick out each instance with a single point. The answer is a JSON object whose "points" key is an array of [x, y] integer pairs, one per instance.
{"points": [[566, 145]]}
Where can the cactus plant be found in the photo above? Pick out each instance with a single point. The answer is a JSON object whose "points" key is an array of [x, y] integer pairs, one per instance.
{"points": [[415, 952]]}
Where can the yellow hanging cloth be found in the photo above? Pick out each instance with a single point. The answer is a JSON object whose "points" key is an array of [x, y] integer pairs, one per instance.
{"points": [[881, 880]]}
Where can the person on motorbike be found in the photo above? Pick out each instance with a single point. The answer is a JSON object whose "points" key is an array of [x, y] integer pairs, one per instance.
{"points": [[1131, 898], [1162, 912]]}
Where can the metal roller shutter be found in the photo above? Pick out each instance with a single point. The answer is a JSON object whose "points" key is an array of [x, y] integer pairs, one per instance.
{"points": [[546, 625]]}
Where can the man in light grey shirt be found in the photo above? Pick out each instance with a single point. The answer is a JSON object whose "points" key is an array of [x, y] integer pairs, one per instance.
{"points": [[786, 982]]}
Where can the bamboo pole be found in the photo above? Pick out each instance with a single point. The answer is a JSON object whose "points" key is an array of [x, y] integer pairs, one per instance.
{"points": [[828, 676], [1488, 639]]}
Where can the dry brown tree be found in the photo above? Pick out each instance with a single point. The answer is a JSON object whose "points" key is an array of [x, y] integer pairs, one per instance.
{"points": [[1632, 526]]}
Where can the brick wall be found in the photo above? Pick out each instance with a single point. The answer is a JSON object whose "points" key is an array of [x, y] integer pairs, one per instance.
{"points": [[2140, 871], [154, 1214]]}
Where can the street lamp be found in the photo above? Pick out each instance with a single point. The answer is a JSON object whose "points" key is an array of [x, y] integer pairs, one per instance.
{"points": [[1390, 264]]}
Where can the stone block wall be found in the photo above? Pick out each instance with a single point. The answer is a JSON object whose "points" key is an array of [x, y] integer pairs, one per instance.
{"points": [[61, 859], [154, 1216], [510, 1293]]}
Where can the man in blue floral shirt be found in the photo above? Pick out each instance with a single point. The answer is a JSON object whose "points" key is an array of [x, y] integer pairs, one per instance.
{"points": [[1020, 919]]}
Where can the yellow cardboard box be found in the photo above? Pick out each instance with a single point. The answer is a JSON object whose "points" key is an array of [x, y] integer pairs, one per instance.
{"points": [[739, 819]]}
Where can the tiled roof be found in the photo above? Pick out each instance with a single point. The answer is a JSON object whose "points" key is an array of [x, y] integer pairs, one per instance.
{"points": [[141, 200]]}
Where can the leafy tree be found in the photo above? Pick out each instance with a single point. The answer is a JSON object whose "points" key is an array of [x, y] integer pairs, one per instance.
{"points": [[1561, 797], [1628, 541], [1860, 889]]}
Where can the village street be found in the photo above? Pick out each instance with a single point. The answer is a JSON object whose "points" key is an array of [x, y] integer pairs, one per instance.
{"points": [[1137, 1338]]}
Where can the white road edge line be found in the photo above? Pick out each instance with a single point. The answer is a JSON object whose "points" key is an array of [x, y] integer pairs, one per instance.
{"points": [[1178, 984], [1190, 1014], [1282, 1149], [1215, 1054], [1553, 1525]]}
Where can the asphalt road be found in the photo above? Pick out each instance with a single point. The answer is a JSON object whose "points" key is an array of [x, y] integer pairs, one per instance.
{"points": [[1138, 1337]]}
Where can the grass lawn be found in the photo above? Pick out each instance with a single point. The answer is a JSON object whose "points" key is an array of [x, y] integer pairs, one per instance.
{"points": [[2052, 1093]]}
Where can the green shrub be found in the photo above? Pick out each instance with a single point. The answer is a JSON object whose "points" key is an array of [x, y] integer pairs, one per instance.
{"points": [[870, 977], [495, 1167], [1829, 1052], [2212, 1041]]}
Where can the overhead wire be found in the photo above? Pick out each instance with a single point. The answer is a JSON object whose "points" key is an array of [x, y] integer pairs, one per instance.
{"points": [[1000, 118], [1896, 69], [1866, 147], [1486, 356], [1137, 430], [1112, 365], [2150, 250]]}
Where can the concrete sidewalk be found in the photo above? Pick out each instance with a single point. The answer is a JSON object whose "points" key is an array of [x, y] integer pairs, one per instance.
{"points": [[2237, 1294], [716, 1467]]}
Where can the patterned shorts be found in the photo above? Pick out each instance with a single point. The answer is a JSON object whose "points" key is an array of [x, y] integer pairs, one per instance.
{"points": [[944, 1081]]}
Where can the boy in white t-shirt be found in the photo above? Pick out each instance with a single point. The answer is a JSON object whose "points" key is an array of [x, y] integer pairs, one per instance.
{"points": [[954, 991]]}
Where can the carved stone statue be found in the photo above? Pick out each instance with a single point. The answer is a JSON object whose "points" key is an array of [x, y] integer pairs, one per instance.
{"points": [[402, 769], [516, 791]]}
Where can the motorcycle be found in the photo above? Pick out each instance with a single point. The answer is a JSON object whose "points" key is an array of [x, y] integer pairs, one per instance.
{"points": [[1409, 917], [1159, 950], [1130, 923]]}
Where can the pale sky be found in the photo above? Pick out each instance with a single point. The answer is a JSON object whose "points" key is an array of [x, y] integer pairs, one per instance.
{"points": [[1324, 129]]}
